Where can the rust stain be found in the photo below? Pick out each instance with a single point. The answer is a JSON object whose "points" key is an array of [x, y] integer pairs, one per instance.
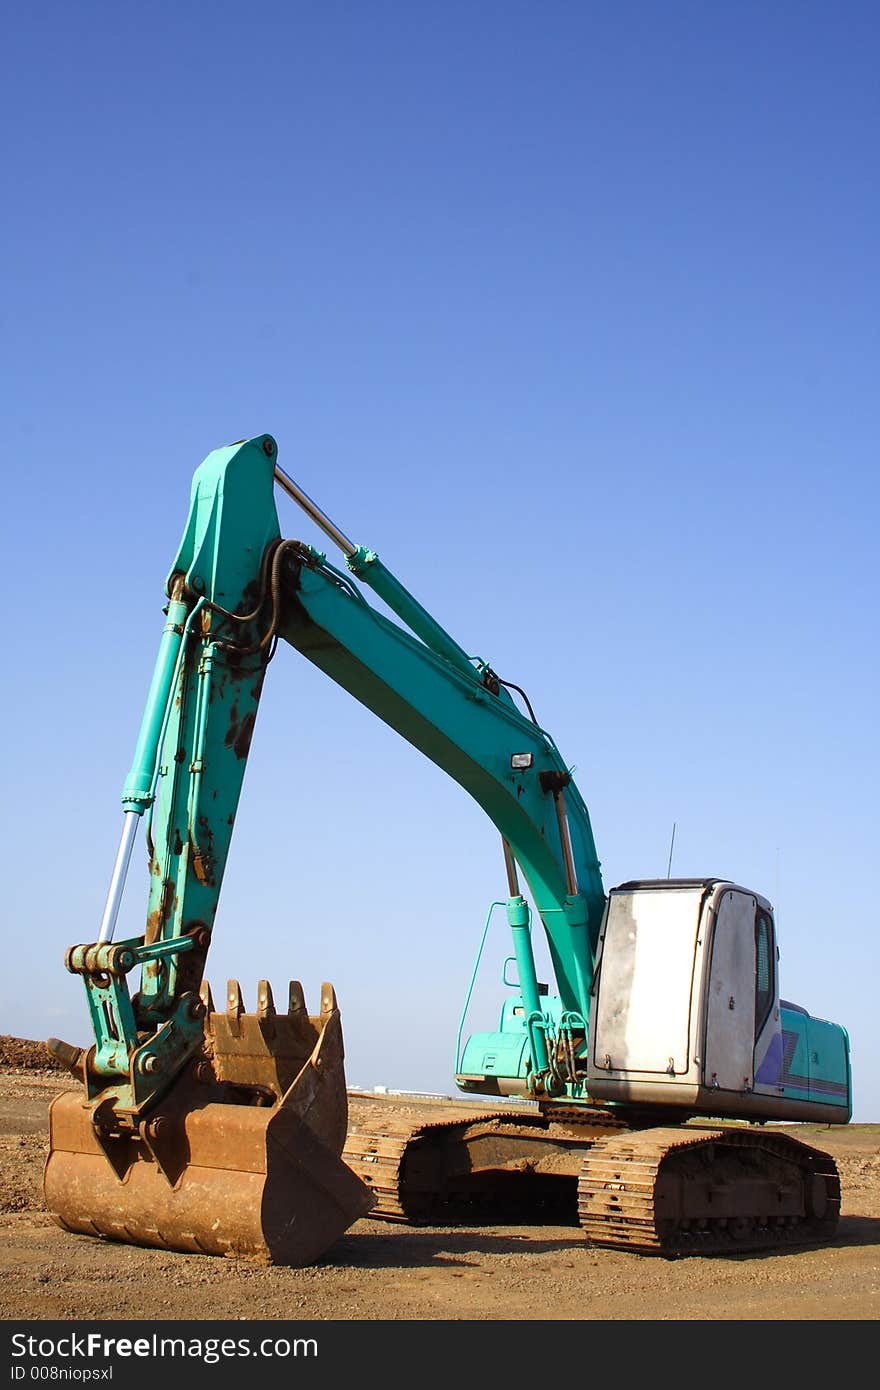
{"points": [[232, 731], [244, 735], [200, 868], [249, 598], [203, 854], [161, 915]]}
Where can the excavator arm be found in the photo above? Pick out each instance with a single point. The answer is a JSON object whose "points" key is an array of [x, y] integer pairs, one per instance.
{"points": [[163, 1056], [235, 589]]}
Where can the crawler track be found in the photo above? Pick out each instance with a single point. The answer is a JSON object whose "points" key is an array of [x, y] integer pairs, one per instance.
{"points": [[376, 1154], [694, 1191], [677, 1190], [452, 1168]]}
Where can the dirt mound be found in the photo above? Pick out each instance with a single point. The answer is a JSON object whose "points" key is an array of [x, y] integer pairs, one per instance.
{"points": [[25, 1055]]}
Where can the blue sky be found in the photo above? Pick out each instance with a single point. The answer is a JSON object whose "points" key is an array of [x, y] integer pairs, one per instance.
{"points": [[568, 310]]}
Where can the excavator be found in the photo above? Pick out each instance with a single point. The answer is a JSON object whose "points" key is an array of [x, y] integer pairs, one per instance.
{"points": [[651, 1086]]}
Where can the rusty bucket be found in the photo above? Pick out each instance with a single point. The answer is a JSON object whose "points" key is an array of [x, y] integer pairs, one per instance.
{"points": [[242, 1155]]}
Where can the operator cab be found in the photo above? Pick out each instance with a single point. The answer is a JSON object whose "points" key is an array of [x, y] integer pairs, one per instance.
{"points": [[687, 1011]]}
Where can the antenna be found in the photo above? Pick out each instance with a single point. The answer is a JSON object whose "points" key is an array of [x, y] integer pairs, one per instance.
{"points": [[671, 845]]}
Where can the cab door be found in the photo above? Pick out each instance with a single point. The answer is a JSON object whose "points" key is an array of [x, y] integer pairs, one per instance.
{"points": [[730, 1015]]}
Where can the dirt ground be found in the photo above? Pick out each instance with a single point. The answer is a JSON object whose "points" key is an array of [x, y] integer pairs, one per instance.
{"points": [[381, 1271]]}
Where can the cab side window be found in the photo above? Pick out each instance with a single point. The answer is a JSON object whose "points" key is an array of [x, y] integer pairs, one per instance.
{"points": [[764, 964]]}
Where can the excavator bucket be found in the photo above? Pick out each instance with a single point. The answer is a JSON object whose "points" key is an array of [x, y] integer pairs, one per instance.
{"points": [[241, 1157]]}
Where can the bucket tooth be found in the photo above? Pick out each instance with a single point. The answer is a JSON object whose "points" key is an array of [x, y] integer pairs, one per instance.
{"points": [[266, 1007], [234, 1006], [206, 997], [70, 1056], [328, 1000], [296, 1000]]}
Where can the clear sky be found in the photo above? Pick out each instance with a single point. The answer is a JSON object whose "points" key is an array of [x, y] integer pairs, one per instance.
{"points": [[569, 310]]}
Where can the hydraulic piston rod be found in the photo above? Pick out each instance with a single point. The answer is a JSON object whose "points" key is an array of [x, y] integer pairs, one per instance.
{"points": [[120, 870], [312, 509]]}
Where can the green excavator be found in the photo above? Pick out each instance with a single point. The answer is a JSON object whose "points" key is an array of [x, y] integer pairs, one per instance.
{"points": [[223, 1131]]}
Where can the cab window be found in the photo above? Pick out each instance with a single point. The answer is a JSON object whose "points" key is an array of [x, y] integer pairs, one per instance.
{"points": [[764, 990]]}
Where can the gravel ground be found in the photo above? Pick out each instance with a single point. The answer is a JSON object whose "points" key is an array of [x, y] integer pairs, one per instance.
{"points": [[381, 1271]]}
